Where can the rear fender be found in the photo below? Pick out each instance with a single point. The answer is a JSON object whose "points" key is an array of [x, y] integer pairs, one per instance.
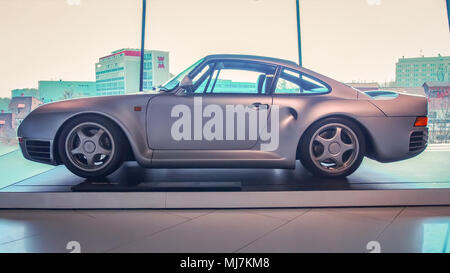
{"points": [[402, 106]]}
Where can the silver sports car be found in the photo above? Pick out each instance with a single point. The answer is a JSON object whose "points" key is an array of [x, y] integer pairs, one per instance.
{"points": [[230, 111]]}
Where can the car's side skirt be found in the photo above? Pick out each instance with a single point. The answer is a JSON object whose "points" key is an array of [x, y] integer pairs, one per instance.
{"points": [[219, 159]]}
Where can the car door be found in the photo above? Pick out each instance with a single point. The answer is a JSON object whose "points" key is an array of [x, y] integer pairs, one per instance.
{"points": [[218, 113]]}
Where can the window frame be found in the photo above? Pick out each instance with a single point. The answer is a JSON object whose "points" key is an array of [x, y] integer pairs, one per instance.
{"points": [[198, 69], [278, 77]]}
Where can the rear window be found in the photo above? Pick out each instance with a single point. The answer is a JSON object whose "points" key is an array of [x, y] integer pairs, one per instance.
{"points": [[293, 82]]}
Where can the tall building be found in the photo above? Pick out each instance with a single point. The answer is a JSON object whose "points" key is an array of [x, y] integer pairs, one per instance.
{"points": [[118, 73], [414, 72], [50, 91]]}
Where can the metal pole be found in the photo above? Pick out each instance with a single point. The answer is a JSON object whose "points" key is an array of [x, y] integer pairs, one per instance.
{"points": [[299, 37], [448, 13], [141, 72]]}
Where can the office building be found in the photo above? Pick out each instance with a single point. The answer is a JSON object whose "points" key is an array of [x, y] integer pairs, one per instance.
{"points": [[414, 72], [119, 72]]}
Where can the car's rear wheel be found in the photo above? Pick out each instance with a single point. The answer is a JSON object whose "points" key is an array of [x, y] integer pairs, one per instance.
{"points": [[91, 146], [332, 147]]}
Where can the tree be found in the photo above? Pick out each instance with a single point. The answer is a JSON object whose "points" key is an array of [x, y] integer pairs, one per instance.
{"points": [[68, 94]]}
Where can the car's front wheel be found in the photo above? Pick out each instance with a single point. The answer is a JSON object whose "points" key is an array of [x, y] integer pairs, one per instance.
{"points": [[91, 146], [332, 147]]}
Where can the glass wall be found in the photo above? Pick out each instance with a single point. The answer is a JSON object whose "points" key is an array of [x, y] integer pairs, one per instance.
{"points": [[64, 49]]}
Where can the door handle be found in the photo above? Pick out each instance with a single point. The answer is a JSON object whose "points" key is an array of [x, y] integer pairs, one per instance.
{"points": [[258, 106]]}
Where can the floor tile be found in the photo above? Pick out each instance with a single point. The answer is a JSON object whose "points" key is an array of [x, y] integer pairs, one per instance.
{"points": [[220, 231], [188, 213], [420, 229], [18, 224], [103, 231], [324, 230], [397, 229], [282, 214]]}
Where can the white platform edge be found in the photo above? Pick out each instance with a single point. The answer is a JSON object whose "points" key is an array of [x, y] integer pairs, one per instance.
{"points": [[179, 200]]}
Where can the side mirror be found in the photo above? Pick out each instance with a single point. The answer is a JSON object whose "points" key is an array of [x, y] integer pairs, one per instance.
{"points": [[185, 86], [186, 83]]}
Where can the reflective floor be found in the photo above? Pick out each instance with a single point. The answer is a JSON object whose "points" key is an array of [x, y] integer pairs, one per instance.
{"points": [[395, 229], [428, 170]]}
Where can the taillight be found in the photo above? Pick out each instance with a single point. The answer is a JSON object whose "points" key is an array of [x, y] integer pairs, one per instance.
{"points": [[20, 139], [421, 122]]}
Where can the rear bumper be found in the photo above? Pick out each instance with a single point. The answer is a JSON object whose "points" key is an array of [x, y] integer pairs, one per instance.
{"points": [[394, 138]]}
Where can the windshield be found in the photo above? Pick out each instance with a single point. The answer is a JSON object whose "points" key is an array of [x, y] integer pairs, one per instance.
{"points": [[173, 82]]}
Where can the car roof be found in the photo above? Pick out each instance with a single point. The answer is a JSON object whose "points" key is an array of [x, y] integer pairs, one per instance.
{"points": [[251, 58]]}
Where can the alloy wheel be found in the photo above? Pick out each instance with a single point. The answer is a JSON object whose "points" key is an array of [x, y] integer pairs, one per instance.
{"points": [[334, 148], [89, 146]]}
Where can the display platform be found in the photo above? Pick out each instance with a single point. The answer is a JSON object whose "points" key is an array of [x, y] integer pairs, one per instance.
{"points": [[424, 180]]}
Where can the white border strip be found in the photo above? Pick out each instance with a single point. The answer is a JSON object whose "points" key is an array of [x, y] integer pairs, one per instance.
{"points": [[172, 200]]}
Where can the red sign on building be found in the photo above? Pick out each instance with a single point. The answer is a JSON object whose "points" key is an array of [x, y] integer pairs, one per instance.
{"points": [[161, 62]]}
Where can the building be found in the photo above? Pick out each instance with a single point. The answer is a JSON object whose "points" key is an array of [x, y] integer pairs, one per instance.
{"points": [[6, 126], [437, 89], [362, 86], [414, 72], [20, 107], [50, 91], [25, 92], [118, 73], [4, 104], [438, 94]]}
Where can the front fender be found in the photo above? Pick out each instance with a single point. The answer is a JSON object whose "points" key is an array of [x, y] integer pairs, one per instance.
{"points": [[42, 125], [46, 121]]}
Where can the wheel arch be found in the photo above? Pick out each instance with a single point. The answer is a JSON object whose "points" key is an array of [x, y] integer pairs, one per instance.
{"points": [[370, 148], [129, 154]]}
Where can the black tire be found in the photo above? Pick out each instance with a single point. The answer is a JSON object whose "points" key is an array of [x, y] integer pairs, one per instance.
{"points": [[117, 156], [307, 159]]}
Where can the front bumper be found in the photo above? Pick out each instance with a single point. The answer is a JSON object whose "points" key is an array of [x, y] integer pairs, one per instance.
{"points": [[38, 150]]}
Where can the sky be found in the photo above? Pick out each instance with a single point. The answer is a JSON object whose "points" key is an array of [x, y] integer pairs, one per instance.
{"points": [[349, 40]]}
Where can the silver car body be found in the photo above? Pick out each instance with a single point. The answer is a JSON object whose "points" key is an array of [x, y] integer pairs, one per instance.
{"points": [[387, 124]]}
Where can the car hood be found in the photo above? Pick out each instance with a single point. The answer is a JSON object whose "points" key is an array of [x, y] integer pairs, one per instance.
{"points": [[44, 121], [91, 103]]}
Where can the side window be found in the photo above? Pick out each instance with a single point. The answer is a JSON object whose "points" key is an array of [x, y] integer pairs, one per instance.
{"points": [[236, 77], [292, 82]]}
